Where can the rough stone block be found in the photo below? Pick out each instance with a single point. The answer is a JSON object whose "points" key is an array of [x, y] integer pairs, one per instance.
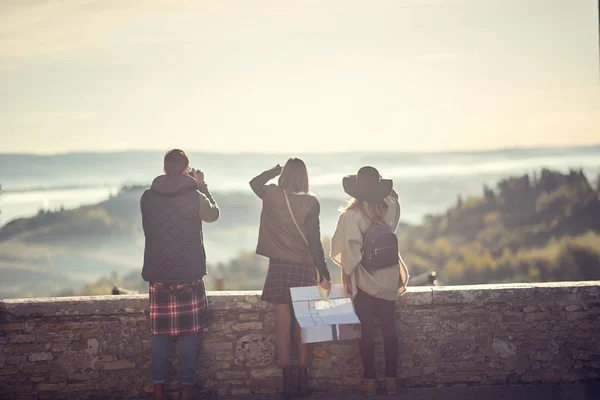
{"points": [[224, 356], [16, 359], [211, 346], [9, 370], [247, 326], [249, 316], [92, 346], [240, 392], [78, 387], [537, 316], [266, 390], [254, 350], [216, 327], [115, 365], [36, 368], [17, 388], [21, 338], [18, 326], [265, 373], [504, 348], [511, 317], [43, 356], [84, 376], [456, 349], [221, 365], [518, 327], [21, 348], [56, 337], [226, 375], [50, 387], [455, 295], [80, 325], [415, 296], [133, 319], [318, 352], [58, 347], [542, 355]]}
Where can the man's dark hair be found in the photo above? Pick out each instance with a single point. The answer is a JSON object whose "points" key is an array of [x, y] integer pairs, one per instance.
{"points": [[176, 161]]}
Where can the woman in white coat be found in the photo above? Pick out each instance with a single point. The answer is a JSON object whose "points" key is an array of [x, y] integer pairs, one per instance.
{"points": [[374, 291]]}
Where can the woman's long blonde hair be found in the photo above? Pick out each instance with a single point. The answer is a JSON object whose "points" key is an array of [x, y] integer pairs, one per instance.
{"points": [[294, 176], [374, 212]]}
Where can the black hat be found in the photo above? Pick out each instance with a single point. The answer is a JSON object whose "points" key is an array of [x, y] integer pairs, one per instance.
{"points": [[367, 185]]}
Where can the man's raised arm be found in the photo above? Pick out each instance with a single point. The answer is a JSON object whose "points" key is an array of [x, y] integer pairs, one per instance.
{"points": [[209, 210]]}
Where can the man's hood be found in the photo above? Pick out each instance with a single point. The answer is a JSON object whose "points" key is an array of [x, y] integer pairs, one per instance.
{"points": [[172, 185]]}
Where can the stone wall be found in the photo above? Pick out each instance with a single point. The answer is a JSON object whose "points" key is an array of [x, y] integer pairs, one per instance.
{"points": [[479, 335]]}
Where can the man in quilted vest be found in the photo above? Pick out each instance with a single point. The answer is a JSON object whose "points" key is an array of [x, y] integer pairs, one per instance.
{"points": [[173, 210]]}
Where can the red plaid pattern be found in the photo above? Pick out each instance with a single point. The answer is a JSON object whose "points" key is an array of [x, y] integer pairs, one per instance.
{"points": [[283, 275], [177, 308]]}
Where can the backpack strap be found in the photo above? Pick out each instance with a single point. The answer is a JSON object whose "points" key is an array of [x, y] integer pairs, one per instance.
{"points": [[289, 206]]}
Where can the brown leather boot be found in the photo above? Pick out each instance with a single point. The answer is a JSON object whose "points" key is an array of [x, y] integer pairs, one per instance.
{"points": [[303, 377], [158, 391], [391, 387], [367, 387], [187, 392]]}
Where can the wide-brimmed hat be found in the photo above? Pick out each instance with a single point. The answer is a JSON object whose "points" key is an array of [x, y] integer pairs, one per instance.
{"points": [[367, 185]]}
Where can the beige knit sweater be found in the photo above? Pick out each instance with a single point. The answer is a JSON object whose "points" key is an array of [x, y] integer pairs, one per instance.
{"points": [[346, 244]]}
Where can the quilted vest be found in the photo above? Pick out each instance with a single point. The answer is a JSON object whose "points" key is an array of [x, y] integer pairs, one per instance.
{"points": [[174, 248]]}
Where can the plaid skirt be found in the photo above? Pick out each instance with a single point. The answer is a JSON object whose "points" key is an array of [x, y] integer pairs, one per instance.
{"points": [[283, 275], [177, 308]]}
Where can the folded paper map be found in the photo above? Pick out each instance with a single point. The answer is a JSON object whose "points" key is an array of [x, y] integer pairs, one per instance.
{"points": [[321, 320]]}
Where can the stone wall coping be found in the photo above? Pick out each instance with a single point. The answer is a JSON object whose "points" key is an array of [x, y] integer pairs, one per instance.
{"points": [[250, 300]]}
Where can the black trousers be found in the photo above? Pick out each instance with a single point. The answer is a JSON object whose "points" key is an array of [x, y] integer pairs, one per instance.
{"points": [[367, 308]]}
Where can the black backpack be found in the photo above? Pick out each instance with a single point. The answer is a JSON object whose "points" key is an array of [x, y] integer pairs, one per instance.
{"points": [[380, 247]]}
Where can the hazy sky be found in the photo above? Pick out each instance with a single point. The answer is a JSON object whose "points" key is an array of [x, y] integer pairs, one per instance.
{"points": [[296, 75]]}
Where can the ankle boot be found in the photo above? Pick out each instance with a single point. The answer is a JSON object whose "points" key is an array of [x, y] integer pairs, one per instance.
{"points": [[391, 386], [367, 387], [303, 377], [158, 391], [289, 384]]}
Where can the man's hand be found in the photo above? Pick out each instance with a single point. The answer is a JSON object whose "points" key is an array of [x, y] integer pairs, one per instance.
{"points": [[198, 175], [278, 168]]}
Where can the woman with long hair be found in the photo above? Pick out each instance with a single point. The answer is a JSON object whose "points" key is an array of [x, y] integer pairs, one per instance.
{"points": [[289, 235], [374, 208]]}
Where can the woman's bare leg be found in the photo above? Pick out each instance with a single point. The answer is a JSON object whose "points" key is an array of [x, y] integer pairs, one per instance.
{"points": [[283, 322], [302, 348]]}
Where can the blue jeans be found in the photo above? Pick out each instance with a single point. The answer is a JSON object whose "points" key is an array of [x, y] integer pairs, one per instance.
{"points": [[188, 353]]}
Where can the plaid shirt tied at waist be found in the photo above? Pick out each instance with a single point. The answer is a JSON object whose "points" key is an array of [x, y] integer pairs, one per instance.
{"points": [[177, 308]]}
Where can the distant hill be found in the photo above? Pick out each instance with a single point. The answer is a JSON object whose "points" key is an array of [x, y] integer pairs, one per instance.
{"points": [[55, 251], [530, 228]]}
